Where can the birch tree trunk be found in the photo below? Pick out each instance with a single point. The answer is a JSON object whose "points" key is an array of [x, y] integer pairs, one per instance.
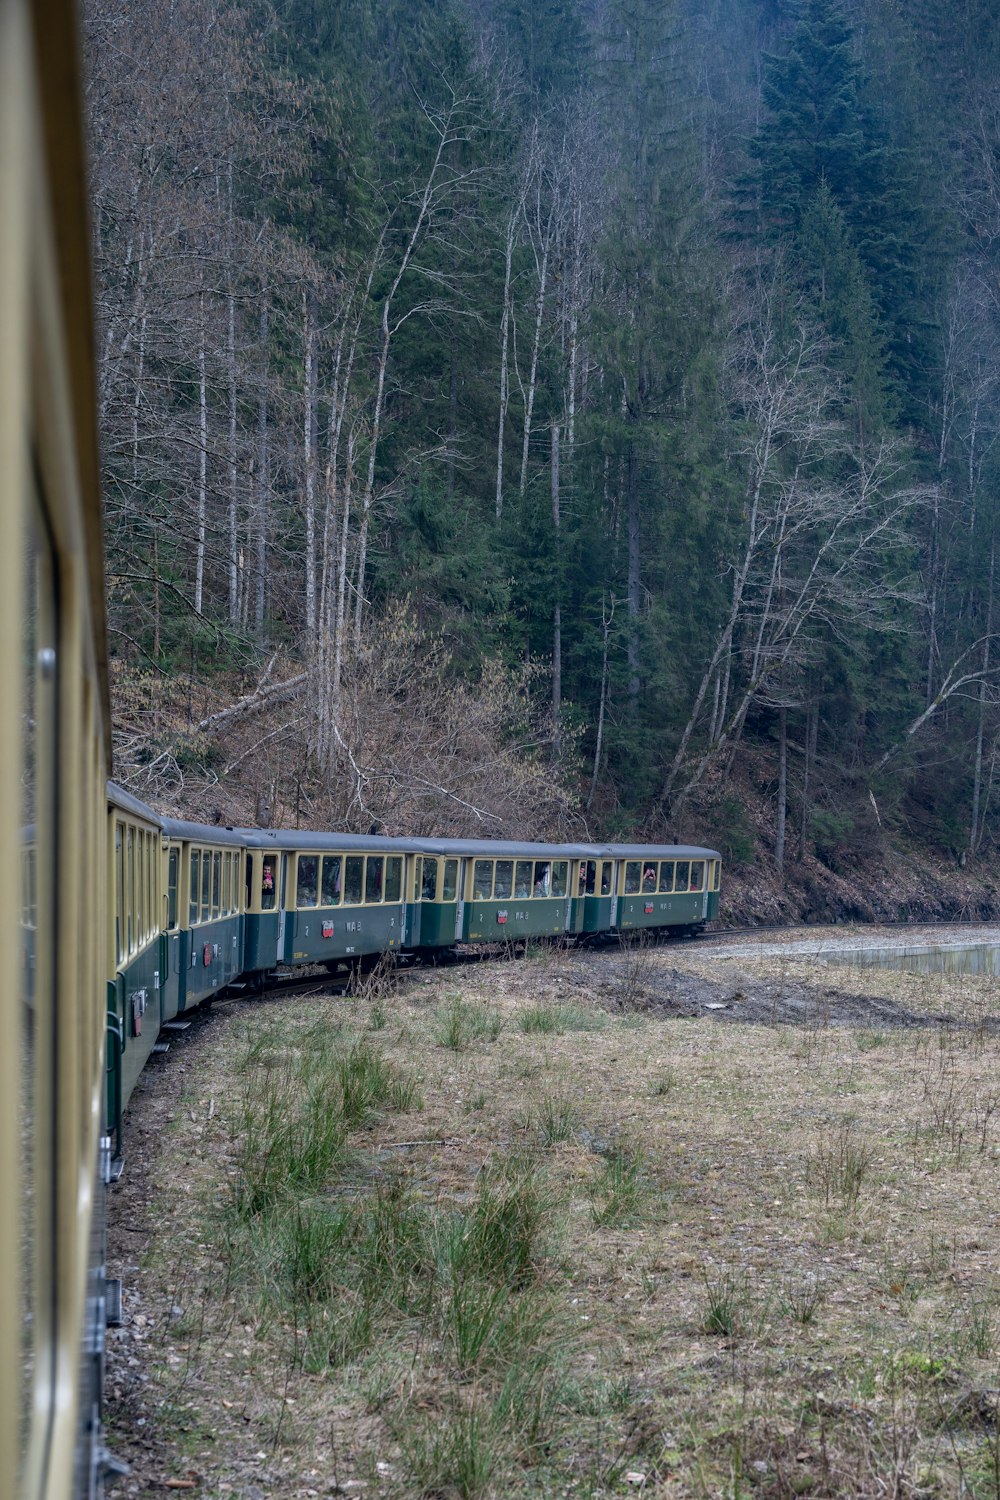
{"points": [[779, 835], [606, 618], [976, 821], [557, 611], [234, 492], [386, 331], [812, 732], [309, 452], [505, 321], [536, 344], [199, 571], [261, 508], [633, 595]]}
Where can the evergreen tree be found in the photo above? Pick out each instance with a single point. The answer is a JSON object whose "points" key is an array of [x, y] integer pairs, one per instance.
{"points": [[548, 39], [822, 134], [832, 268]]}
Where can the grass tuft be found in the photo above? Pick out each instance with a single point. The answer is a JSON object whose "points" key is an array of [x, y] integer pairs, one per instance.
{"points": [[621, 1190], [461, 1022]]}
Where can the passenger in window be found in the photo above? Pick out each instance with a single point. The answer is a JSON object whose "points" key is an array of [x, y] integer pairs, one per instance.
{"points": [[649, 878]]}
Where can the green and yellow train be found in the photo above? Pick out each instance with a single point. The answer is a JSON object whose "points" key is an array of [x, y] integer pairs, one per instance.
{"points": [[125, 919]]}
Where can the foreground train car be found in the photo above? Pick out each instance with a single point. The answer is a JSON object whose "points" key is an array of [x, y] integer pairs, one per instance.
{"points": [[53, 760]]}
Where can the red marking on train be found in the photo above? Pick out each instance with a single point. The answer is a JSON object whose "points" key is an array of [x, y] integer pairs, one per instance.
{"points": [[328, 929]]}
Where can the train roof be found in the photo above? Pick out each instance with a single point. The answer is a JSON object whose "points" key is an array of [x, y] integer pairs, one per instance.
{"points": [[120, 798], [303, 839], [500, 848], [310, 841], [203, 833], [659, 851]]}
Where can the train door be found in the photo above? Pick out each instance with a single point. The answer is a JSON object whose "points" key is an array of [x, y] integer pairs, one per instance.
{"points": [[463, 866], [282, 916]]}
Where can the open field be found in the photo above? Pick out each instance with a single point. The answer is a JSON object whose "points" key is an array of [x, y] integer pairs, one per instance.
{"points": [[549, 1228]]}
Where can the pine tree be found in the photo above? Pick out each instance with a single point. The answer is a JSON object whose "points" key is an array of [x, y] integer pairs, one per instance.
{"points": [[823, 134], [549, 40], [832, 268]]}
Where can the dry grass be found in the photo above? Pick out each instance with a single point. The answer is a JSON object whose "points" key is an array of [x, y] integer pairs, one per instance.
{"points": [[743, 1260]]}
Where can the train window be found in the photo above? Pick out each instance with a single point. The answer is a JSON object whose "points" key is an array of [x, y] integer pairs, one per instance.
{"points": [[606, 876], [503, 880], [140, 886], [195, 886], [172, 890], [683, 874], [354, 880], [307, 887], [267, 883], [120, 891], [206, 884], [394, 877], [649, 879], [418, 865], [667, 875], [697, 880], [588, 872], [373, 878], [522, 879], [715, 874], [130, 890], [482, 880], [331, 880], [450, 885], [216, 883], [633, 877], [429, 880], [227, 884], [145, 850], [147, 884], [560, 871], [542, 878]]}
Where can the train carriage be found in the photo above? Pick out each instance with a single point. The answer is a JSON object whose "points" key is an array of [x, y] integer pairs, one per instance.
{"points": [[135, 969], [54, 746], [204, 912], [487, 891], [316, 898], [661, 886]]}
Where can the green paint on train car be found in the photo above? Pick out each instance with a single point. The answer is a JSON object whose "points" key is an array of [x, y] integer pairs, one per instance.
{"points": [[211, 956], [596, 914], [319, 935], [678, 910], [433, 923], [137, 1006], [260, 941], [502, 921]]}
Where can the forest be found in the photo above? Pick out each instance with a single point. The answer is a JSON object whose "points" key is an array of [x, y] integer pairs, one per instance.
{"points": [[575, 417]]}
